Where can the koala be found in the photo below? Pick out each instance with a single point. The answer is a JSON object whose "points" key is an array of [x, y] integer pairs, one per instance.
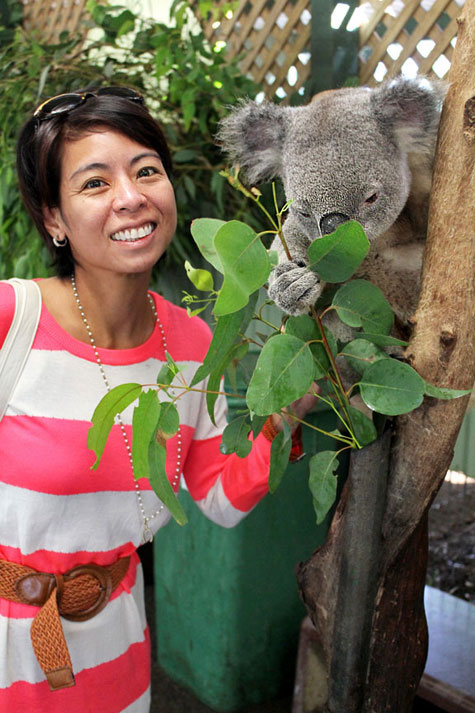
{"points": [[353, 153]]}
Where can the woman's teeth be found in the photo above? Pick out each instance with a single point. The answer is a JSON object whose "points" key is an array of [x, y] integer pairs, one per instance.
{"points": [[134, 233]]}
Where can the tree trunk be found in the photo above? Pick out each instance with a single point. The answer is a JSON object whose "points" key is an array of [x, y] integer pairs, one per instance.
{"points": [[442, 351]]}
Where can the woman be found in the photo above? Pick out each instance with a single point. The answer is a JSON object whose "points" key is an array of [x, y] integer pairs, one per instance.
{"points": [[94, 171]]}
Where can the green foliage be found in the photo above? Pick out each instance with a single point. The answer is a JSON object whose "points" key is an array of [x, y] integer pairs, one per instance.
{"points": [[279, 456], [104, 415], [323, 482], [301, 354], [283, 373], [292, 355], [187, 85], [336, 257]]}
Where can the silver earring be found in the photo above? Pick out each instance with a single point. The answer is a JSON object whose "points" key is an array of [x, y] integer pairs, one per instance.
{"points": [[60, 243]]}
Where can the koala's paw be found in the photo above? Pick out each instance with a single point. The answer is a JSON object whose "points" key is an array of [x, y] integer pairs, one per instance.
{"points": [[294, 289]]}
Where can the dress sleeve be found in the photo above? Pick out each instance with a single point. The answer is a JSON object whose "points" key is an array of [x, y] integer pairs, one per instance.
{"points": [[7, 309], [225, 487]]}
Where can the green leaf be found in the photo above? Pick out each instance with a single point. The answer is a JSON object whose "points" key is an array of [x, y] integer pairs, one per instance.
{"points": [[104, 415], [336, 257], [383, 340], [144, 428], [279, 456], [161, 485], [361, 353], [201, 279], [442, 392], [245, 262], [203, 231], [235, 437], [172, 365], [323, 482], [227, 328], [257, 423], [215, 377], [166, 374], [391, 387], [361, 304], [169, 419], [283, 373], [363, 427], [306, 329]]}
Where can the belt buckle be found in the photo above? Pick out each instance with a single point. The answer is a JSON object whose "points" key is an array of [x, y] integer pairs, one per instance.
{"points": [[105, 581]]}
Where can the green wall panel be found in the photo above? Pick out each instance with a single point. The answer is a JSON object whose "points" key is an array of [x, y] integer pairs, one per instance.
{"points": [[227, 607]]}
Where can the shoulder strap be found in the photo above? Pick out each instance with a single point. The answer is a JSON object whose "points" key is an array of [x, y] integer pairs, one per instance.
{"points": [[17, 345]]}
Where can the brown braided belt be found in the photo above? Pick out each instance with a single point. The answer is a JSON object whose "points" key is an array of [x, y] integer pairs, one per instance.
{"points": [[76, 595]]}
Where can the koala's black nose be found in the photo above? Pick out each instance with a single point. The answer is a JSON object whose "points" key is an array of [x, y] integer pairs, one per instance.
{"points": [[331, 221]]}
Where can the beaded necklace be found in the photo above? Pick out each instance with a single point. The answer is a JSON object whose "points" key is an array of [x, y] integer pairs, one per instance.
{"points": [[147, 535]]}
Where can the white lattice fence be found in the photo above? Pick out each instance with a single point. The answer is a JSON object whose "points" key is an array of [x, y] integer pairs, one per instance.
{"points": [[408, 36], [273, 37]]}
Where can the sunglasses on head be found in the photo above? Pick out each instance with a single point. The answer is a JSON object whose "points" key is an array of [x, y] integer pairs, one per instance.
{"points": [[64, 103]]}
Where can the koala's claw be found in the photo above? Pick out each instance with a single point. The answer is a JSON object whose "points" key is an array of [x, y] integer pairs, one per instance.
{"points": [[294, 289]]}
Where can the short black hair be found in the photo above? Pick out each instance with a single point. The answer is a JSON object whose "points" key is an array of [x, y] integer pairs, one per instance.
{"points": [[39, 153]]}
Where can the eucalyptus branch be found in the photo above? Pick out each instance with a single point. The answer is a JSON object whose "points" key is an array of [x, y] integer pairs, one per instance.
{"points": [[329, 352], [338, 437]]}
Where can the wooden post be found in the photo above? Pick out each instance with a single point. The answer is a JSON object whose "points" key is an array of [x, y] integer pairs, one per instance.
{"points": [[442, 350]]}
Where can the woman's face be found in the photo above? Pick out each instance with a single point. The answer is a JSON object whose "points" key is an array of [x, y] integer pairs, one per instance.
{"points": [[117, 206]]}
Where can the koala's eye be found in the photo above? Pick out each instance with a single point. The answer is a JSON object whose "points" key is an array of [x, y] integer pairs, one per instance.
{"points": [[372, 198], [303, 213]]}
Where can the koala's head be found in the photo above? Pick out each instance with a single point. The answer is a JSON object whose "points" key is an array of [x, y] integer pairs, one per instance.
{"points": [[344, 155]]}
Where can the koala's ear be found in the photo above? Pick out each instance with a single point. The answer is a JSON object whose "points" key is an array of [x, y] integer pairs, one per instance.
{"points": [[409, 111], [253, 136]]}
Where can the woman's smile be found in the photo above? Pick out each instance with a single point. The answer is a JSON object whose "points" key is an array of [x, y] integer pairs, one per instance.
{"points": [[132, 235]]}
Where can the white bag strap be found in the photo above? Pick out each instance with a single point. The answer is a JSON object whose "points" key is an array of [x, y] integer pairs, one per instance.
{"points": [[17, 345]]}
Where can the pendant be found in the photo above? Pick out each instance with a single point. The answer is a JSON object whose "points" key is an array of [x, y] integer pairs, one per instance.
{"points": [[147, 535]]}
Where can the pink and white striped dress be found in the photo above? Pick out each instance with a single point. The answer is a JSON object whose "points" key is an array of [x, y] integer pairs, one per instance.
{"points": [[56, 513]]}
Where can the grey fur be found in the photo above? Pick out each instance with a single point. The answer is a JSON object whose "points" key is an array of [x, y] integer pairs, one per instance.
{"points": [[333, 156]]}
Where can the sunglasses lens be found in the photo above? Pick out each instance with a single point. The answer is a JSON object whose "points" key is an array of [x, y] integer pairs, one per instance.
{"points": [[58, 105]]}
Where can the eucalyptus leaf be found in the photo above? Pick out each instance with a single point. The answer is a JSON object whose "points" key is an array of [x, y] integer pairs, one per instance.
{"points": [[235, 438], [169, 419], [201, 279], [246, 265], [442, 392], [158, 478], [363, 427], [166, 375], [215, 378], [323, 482], [392, 387], [306, 329], [336, 257], [384, 340], [144, 428], [279, 456], [114, 402], [203, 231], [257, 422], [361, 353], [361, 304], [284, 372], [227, 328]]}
